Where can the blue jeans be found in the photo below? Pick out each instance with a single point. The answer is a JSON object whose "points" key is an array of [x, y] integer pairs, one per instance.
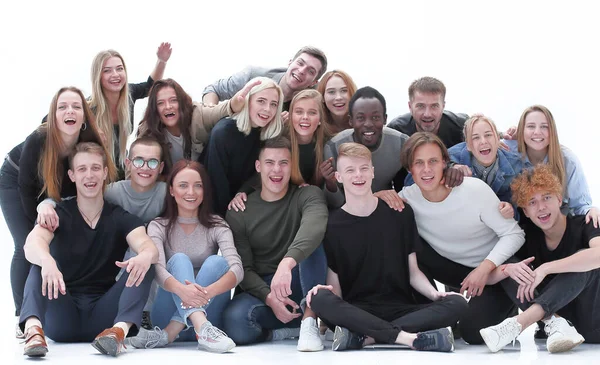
{"points": [[248, 319], [167, 306]]}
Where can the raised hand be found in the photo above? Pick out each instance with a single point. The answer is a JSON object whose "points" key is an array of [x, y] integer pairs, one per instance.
{"points": [[164, 52], [239, 99]]}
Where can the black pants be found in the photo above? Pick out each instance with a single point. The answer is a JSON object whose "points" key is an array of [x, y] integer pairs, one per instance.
{"points": [[335, 311], [490, 308], [574, 296], [19, 226], [81, 317]]}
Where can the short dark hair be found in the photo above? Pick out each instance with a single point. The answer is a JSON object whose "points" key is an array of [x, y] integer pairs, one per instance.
{"points": [[147, 140], [417, 140], [427, 84], [367, 92], [276, 142], [316, 53]]}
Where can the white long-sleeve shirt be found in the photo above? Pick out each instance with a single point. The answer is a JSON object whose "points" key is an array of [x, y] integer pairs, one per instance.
{"points": [[467, 226]]}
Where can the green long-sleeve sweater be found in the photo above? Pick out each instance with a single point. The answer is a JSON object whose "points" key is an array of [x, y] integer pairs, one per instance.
{"points": [[267, 232]]}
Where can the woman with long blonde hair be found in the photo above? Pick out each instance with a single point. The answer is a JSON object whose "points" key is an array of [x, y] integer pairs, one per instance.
{"points": [[113, 99], [40, 171]]}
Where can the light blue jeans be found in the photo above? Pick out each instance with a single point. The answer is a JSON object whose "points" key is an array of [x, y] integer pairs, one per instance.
{"points": [[167, 306]]}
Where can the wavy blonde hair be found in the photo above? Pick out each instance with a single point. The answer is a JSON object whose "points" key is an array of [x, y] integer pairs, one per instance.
{"points": [[100, 107], [275, 126]]}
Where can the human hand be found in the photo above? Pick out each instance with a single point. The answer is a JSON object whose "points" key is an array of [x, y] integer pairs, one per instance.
{"points": [[527, 292], [474, 283], [237, 203], [521, 272], [281, 284], [594, 215], [238, 101], [315, 290], [136, 267], [506, 209], [47, 216], [280, 308], [285, 116], [328, 173], [392, 199], [193, 295], [454, 176], [510, 134], [52, 280], [437, 295], [164, 52]]}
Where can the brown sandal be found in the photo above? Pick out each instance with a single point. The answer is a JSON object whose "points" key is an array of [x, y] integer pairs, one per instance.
{"points": [[35, 342]]}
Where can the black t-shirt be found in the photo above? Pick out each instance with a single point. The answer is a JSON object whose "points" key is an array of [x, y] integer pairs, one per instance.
{"points": [[307, 158], [85, 256], [577, 236], [370, 257]]}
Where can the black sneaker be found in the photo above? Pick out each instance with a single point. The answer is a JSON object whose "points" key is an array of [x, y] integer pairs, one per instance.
{"points": [[343, 339], [436, 340], [146, 322]]}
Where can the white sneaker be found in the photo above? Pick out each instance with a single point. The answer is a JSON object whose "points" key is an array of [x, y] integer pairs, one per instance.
{"points": [[500, 335], [309, 340], [213, 339], [562, 336], [149, 339]]}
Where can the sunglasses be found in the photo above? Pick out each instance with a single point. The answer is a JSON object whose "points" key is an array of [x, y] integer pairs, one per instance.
{"points": [[139, 162]]}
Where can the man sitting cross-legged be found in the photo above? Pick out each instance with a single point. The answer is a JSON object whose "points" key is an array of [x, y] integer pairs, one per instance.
{"points": [[71, 288], [373, 268], [565, 283]]}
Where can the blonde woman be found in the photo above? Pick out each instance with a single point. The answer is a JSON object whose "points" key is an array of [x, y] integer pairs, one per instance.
{"points": [[113, 98], [234, 142]]}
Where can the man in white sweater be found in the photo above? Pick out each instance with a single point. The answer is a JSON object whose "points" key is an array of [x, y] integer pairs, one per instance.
{"points": [[464, 235]]}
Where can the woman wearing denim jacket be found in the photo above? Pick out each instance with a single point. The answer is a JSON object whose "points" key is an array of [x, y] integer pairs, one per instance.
{"points": [[480, 153]]}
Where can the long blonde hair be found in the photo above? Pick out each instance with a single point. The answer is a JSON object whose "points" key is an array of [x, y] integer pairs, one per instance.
{"points": [[319, 137], [100, 107], [50, 167], [275, 127], [555, 157]]}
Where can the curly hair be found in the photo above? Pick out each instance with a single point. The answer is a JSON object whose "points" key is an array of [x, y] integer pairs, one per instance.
{"points": [[530, 182]]}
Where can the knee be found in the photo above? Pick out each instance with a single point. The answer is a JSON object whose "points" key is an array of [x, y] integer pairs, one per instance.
{"points": [[321, 301], [458, 304], [177, 260], [216, 263]]}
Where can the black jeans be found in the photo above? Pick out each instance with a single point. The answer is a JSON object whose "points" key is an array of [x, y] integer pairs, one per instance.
{"points": [[490, 308], [81, 317], [19, 226], [336, 311], [574, 296]]}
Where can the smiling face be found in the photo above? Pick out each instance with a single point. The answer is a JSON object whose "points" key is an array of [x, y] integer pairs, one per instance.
{"points": [[537, 131], [142, 178], [263, 107], [305, 119], [367, 119], [167, 105], [426, 109], [483, 143], [88, 174], [69, 113], [274, 168], [428, 167], [302, 72], [356, 174], [543, 208], [113, 75], [337, 96], [188, 191]]}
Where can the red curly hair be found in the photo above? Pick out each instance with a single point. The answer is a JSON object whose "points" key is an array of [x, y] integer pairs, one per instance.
{"points": [[530, 182]]}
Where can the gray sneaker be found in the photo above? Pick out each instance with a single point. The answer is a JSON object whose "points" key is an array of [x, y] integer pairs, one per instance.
{"points": [[436, 340], [343, 340], [149, 339], [213, 339]]}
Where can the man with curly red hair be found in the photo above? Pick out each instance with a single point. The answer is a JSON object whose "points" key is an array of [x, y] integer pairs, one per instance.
{"points": [[559, 280]]}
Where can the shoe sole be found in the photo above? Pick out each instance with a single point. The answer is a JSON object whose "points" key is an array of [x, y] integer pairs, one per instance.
{"points": [[106, 346], [488, 340], [563, 346], [37, 351], [308, 349], [216, 351], [340, 339]]}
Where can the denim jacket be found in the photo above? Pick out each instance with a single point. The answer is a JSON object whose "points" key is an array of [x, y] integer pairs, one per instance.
{"points": [[576, 196]]}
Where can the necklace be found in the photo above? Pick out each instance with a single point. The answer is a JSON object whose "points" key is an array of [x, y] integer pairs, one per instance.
{"points": [[89, 221]]}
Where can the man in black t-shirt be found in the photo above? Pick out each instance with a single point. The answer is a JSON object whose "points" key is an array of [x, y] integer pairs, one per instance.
{"points": [[75, 267], [373, 268], [559, 279]]}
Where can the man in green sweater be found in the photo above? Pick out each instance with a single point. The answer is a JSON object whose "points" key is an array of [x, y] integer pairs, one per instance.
{"points": [[278, 237]]}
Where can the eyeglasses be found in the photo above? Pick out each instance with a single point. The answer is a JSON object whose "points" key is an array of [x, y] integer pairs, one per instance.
{"points": [[139, 162]]}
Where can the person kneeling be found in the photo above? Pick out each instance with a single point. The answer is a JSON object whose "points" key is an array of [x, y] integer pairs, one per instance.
{"points": [[75, 267], [373, 268], [565, 284]]}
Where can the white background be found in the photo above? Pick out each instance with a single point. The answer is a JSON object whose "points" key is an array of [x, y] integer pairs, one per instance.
{"points": [[497, 58]]}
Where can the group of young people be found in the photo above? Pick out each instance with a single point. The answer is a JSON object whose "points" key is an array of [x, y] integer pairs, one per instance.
{"points": [[286, 186]]}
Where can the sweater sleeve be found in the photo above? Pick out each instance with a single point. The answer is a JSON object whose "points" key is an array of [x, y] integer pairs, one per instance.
{"points": [[204, 118], [29, 182], [337, 199], [224, 239], [312, 226], [252, 283], [227, 87], [140, 90], [157, 233], [511, 236]]}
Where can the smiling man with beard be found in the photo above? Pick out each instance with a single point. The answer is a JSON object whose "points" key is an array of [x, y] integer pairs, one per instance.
{"points": [[368, 116]]}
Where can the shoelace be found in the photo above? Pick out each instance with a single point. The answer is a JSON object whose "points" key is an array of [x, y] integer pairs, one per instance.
{"points": [[424, 341], [211, 332], [508, 330], [154, 338]]}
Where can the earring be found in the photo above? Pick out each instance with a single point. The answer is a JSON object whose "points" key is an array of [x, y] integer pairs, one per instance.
{"points": [[84, 126]]}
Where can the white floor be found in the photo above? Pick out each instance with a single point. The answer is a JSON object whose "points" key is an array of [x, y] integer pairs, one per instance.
{"points": [[528, 352]]}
